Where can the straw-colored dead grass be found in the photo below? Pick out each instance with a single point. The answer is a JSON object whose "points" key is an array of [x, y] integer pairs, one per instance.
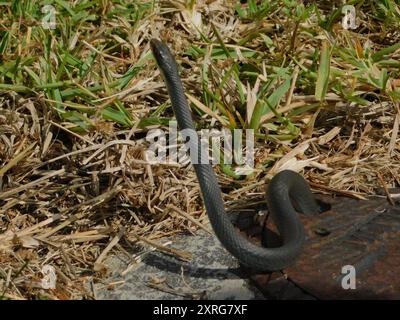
{"points": [[69, 200]]}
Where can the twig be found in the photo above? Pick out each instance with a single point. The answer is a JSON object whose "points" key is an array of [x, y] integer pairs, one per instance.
{"points": [[187, 256], [349, 194], [385, 188], [190, 218], [113, 242], [6, 194]]}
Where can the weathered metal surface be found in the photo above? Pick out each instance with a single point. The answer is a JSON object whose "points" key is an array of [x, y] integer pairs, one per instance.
{"points": [[364, 234]]}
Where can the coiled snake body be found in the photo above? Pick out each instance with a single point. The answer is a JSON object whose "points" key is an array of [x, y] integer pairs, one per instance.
{"points": [[285, 187]]}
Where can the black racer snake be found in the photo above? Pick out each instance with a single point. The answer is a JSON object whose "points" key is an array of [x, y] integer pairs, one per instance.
{"points": [[286, 189]]}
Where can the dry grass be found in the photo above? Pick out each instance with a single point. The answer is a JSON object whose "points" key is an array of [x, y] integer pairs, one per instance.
{"points": [[74, 183]]}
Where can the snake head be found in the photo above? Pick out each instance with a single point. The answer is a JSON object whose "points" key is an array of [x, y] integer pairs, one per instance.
{"points": [[164, 58]]}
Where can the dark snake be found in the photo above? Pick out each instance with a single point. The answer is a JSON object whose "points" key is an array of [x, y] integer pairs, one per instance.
{"points": [[286, 191]]}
